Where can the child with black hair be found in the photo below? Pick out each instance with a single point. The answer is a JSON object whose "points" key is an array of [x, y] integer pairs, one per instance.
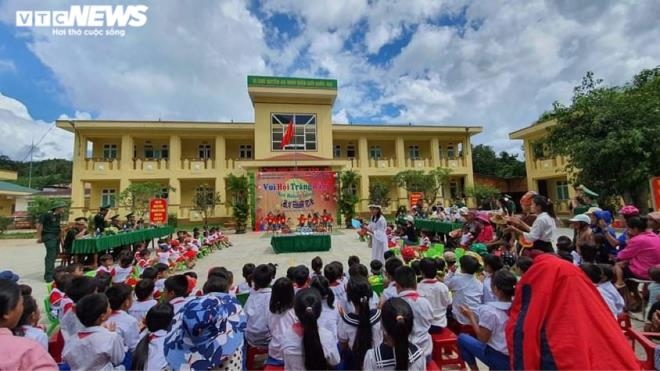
{"points": [[120, 297], [492, 264], [26, 290], [150, 273], [256, 330], [176, 291], [330, 314], [246, 286], [192, 284], [159, 283], [467, 290], [280, 319], [308, 346], [75, 270], [602, 275], [388, 254], [523, 264], [488, 322], [414, 264], [353, 259], [396, 352], [391, 265], [18, 353], [406, 287], [289, 272], [144, 291], [103, 281], [376, 277], [333, 273], [359, 329], [565, 244], [435, 292], [358, 270], [300, 278], [95, 347], [215, 285], [425, 240], [124, 270], [317, 267], [107, 265], [60, 280], [150, 353], [27, 325], [78, 288]]}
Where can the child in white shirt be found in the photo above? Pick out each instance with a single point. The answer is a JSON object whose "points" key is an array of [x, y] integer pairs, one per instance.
{"points": [[246, 285], [306, 345], [329, 318], [425, 241], [333, 273], [124, 270], [397, 321], [78, 288], [256, 308], [281, 318], [604, 285], [406, 286], [149, 353], [391, 266], [144, 294], [94, 347], [176, 291], [107, 265], [120, 297], [27, 324], [465, 287], [435, 292], [492, 263], [488, 322], [359, 330]]}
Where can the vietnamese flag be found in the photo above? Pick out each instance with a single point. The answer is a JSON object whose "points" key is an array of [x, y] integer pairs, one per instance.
{"points": [[288, 134]]}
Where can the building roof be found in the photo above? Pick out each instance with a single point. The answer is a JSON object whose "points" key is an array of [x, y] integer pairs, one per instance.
{"points": [[11, 188], [532, 129]]}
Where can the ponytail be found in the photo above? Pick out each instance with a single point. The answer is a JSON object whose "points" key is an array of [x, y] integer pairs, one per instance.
{"points": [[323, 286], [359, 292], [401, 343], [141, 354], [397, 318], [307, 305]]}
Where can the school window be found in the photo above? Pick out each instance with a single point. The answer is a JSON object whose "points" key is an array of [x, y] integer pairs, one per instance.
{"points": [[108, 197], [110, 151], [164, 152], [375, 153], [537, 150], [204, 151], [451, 153], [440, 151], [562, 190], [164, 193], [245, 151], [350, 151], [336, 152], [413, 152], [304, 131], [148, 150], [460, 149]]}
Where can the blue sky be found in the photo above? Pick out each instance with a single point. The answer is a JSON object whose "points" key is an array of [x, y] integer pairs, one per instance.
{"points": [[498, 64]]}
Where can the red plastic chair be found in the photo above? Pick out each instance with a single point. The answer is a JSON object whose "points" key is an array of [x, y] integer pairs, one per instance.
{"points": [[252, 354], [431, 366], [445, 350], [648, 346]]}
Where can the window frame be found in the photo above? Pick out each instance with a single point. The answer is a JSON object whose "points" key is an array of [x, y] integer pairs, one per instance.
{"points": [[375, 152], [109, 196], [108, 150], [244, 150], [350, 148], [301, 132], [415, 148], [561, 189], [336, 151], [204, 151]]}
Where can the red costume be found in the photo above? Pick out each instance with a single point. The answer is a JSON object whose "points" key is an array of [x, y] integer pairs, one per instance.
{"points": [[559, 320]]}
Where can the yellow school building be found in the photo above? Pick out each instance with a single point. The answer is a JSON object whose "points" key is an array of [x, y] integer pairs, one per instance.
{"points": [[110, 155], [13, 197], [545, 174]]}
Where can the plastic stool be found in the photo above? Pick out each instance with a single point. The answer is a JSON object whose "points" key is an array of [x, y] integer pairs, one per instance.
{"points": [[445, 350], [252, 353]]}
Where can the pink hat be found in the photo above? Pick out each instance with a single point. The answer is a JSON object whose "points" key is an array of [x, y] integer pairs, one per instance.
{"points": [[629, 210]]}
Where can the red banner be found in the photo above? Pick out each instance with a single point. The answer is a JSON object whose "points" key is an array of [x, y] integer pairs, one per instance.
{"points": [[413, 197], [655, 192], [294, 193], [158, 211]]}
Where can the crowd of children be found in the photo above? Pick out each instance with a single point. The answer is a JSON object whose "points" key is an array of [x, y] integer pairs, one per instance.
{"points": [[278, 222]]}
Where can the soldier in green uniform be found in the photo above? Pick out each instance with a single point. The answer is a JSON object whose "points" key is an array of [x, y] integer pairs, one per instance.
{"points": [[49, 232]]}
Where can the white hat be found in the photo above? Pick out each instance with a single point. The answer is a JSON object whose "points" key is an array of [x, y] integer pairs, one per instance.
{"points": [[583, 218], [374, 206], [409, 218], [463, 210]]}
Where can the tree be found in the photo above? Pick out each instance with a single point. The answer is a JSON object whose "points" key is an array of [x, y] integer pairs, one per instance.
{"points": [[609, 136], [379, 193], [348, 198], [205, 201], [40, 205], [482, 193], [136, 196], [429, 183], [503, 165], [238, 193], [5, 222]]}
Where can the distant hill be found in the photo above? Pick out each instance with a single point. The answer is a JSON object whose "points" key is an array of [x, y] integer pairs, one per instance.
{"points": [[44, 172]]}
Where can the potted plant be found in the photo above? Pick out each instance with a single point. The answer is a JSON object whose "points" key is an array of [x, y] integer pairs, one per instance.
{"points": [[238, 189]]}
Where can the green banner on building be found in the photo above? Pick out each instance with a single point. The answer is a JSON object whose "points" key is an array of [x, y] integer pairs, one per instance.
{"points": [[290, 82]]}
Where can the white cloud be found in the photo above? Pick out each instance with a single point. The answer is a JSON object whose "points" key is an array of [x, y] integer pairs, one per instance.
{"points": [[17, 125], [7, 66]]}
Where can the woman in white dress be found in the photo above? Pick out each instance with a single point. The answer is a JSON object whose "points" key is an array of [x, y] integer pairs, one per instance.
{"points": [[376, 230]]}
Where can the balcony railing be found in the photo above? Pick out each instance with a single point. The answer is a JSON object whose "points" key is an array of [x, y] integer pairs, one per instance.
{"points": [[549, 164], [382, 163], [101, 165], [197, 165], [149, 165]]}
